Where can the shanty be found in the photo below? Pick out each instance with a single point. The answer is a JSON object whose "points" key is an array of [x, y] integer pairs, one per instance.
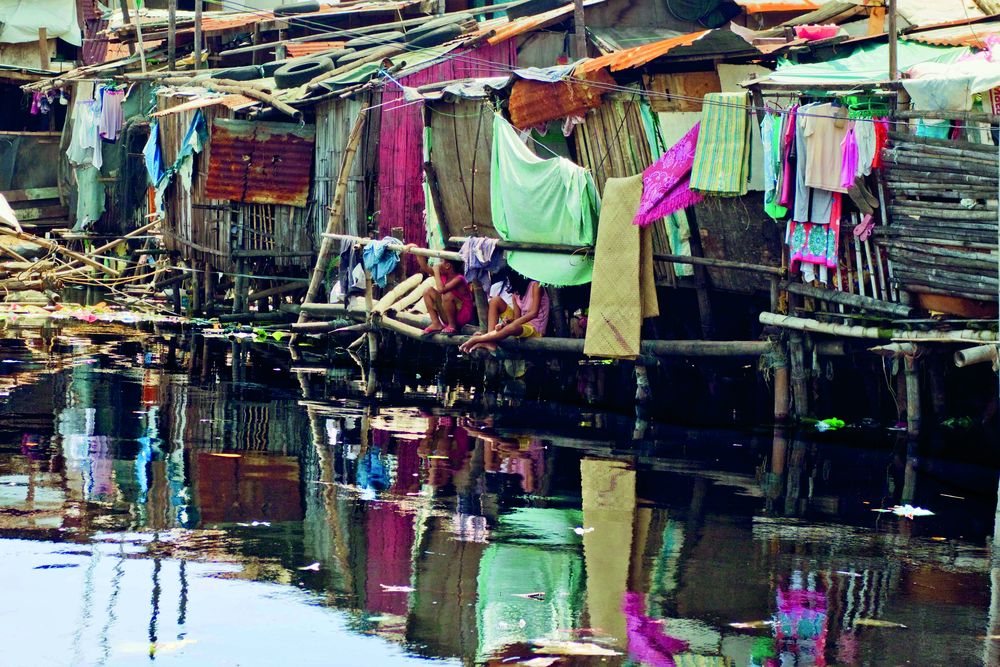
{"points": [[592, 230]]}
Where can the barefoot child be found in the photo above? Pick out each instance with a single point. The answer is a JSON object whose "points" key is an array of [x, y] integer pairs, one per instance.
{"points": [[449, 302], [527, 317]]}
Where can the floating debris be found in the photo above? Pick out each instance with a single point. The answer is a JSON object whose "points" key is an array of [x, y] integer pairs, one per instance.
{"points": [[752, 625], [908, 511], [878, 623], [580, 530], [573, 648], [397, 589], [310, 568]]}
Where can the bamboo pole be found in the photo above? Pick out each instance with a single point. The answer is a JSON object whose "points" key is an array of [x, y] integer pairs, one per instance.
{"points": [[171, 34], [397, 292], [855, 301], [977, 355], [371, 386], [400, 248], [276, 290], [52, 245], [198, 9], [113, 244], [336, 216], [875, 333], [913, 406]]}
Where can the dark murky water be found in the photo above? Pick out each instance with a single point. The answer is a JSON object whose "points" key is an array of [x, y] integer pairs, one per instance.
{"points": [[151, 510]]}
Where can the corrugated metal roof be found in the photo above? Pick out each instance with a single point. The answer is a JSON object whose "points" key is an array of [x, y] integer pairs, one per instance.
{"points": [[519, 26], [229, 101], [761, 6], [968, 34], [532, 102], [640, 55], [298, 50], [261, 163], [619, 39]]}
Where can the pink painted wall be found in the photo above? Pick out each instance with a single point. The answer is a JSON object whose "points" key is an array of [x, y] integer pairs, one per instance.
{"points": [[400, 177]]}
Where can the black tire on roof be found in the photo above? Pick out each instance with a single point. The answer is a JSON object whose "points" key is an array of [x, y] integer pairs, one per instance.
{"points": [[434, 24], [297, 8], [298, 72], [377, 39], [248, 73], [437, 36]]}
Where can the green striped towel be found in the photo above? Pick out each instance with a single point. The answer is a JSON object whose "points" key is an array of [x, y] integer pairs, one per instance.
{"points": [[722, 157]]}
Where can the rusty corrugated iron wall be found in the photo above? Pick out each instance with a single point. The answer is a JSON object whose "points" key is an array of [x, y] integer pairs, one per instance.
{"points": [[400, 173], [260, 163]]}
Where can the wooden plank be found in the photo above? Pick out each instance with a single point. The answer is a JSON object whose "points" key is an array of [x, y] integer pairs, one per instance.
{"points": [[41, 213], [30, 194]]}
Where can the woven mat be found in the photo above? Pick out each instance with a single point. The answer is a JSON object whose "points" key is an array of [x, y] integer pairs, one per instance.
{"points": [[623, 290], [722, 158]]}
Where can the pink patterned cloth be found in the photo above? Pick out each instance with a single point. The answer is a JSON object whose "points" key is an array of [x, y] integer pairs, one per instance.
{"points": [[666, 184], [647, 642]]}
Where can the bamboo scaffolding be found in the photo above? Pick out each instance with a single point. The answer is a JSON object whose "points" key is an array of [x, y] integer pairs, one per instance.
{"points": [[876, 333]]}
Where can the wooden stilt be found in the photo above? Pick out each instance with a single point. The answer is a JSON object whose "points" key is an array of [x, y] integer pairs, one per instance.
{"points": [[240, 288], [482, 305], [194, 303], [800, 388], [911, 368], [701, 280], [781, 394], [371, 386], [939, 397], [208, 284]]}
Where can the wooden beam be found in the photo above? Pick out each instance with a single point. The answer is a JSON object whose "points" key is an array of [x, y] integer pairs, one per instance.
{"points": [[43, 48]]}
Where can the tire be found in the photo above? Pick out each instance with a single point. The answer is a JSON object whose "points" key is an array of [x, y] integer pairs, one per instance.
{"points": [[437, 36], [296, 8], [355, 56], [298, 72], [434, 24], [339, 56], [378, 39], [248, 73], [269, 69]]}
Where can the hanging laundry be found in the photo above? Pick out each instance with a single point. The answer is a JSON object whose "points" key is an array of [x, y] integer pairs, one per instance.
{"points": [[111, 120], [789, 158], [824, 127], [85, 146], [380, 259], [770, 137], [152, 155], [864, 136], [813, 205], [480, 257], [624, 288], [816, 243], [666, 184], [881, 139], [849, 158], [722, 159], [541, 201]]}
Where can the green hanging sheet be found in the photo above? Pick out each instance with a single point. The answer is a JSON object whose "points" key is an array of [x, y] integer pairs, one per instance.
{"points": [[542, 201]]}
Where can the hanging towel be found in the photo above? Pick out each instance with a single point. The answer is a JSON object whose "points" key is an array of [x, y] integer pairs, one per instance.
{"points": [[722, 159], [541, 201], [110, 123], [666, 184], [152, 155], [480, 257], [624, 289], [381, 259]]}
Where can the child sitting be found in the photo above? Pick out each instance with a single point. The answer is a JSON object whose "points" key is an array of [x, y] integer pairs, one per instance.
{"points": [[527, 317], [449, 302]]}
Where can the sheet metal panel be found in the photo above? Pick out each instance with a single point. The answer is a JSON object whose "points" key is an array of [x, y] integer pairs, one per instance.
{"points": [[261, 163]]}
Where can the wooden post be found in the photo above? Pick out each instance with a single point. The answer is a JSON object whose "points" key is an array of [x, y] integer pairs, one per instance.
{"points": [[138, 34], [482, 305], [240, 288], [579, 31], [43, 48], [912, 370], [194, 303], [208, 300], [336, 215], [198, 8], [255, 56], [126, 17], [172, 35], [893, 40], [372, 384], [800, 390], [701, 279], [781, 395]]}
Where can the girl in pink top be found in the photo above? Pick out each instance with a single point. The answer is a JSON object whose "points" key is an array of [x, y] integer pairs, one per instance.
{"points": [[527, 317]]}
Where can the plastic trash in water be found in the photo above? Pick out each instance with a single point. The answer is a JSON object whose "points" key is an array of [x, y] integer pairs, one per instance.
{"points": [[831, 424], [907, 511]]}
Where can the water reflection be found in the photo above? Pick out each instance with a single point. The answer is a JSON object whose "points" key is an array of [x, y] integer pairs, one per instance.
{"points": [[146, 495]]}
